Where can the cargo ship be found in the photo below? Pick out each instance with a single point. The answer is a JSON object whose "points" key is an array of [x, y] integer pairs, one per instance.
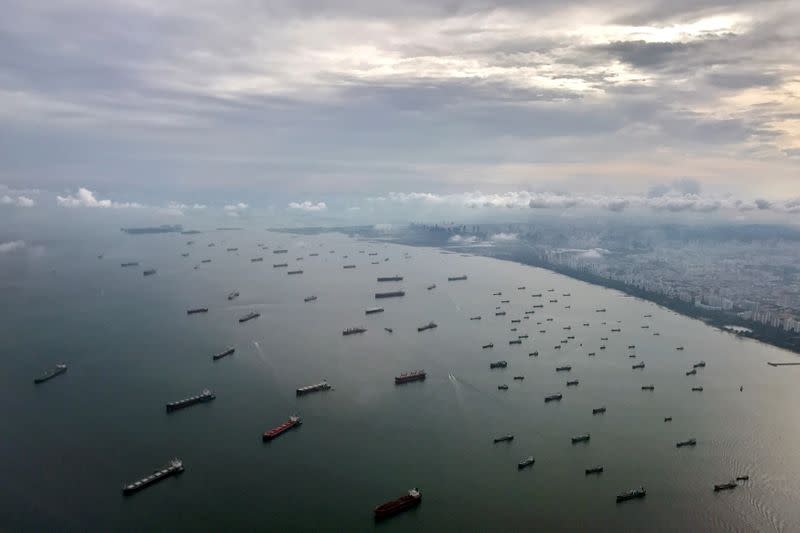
{"points": [[391, 278], [638, 366], [412, 499], [149, 272], [631, 494], [256, 259], [502, 387], [172, 468], [701, 364], [391, 294], [185, 254], [552, 398], [249, 316], [353, 331], [537, 295], [130, 264], [500, 313], [528, 461], [233, 295], [572, 383], [521, 288], [457, 278], [490, 345], [309, 298], [688, 442], [373, 310], [648, 387], [372, 254], [429, 325], [313, 255], [228, 351], [50, 374], [407, 377], [280, 251], [474, 318], [515, 341], [519, 378], [293, 422], [280, 265], [563, 368], [206, 261], [534, 354], [291, 272], [697, 389], [205, 396], [725, 486], [581, 438], [232, 250], [594, 470], [598, 410], [348, 266], [323, 385], [498, 364], [197, 310], [431, 287]]}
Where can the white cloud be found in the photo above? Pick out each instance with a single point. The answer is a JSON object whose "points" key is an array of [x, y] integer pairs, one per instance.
{"points": [[383, 228], [19, 201], [236, 210], [10, 246], [460, 239], [86, 198], [308, 206], [503, 237]]}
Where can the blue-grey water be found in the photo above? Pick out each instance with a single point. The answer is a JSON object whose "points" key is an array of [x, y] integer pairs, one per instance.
{"points": [[68, 445]]}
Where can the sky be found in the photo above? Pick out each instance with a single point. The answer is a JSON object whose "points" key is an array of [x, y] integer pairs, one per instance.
{"points": [[319, 110]]}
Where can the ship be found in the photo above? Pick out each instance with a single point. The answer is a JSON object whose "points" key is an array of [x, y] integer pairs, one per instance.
{"points": [[552, 398], [197, 310], [149, 272], [404, 503], [515, 341], [691, 372], [256, 259], [594, 470], [407, 377], [615, 330], [232, 250], [352, 331], [233, 295], [498, 364], [563, 368], [553, 301], [598, 410], [500, 313], [293, 422], [228, 351], [632, 356], [572, 383], [388, 330], [50, 374], [538, 295], [309, 298], [679, 348], [291, 272], [348, 266], [688, 442], [505, 301], [502, 387], [279, 251], [519, 378], [170, 469], [603, 338], [631, 346], [725, 486], [391, 294], [590, 354], [374, 262], [581, 438], [742, 478], [523, 336], [431, 287], [185, 254], [697, 389], [130, 264], [474, 318], [457, 278], [632, 494], [638, 365], [534, 354], [322, 385], [648, 387], [558, 347], [505, 438], [528, 461], [515, 321], [601, 310], [249, 316], [429, 325], [315, 254], [497, 294], [391, 278], [205, 261], [372, 254], [280, 265], [490, 345], [701, 364], [205, 396]]}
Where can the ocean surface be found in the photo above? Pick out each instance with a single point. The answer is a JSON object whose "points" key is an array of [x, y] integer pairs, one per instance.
{"points": [[68, 445]]}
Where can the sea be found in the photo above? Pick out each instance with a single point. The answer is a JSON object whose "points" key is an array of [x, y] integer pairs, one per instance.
{"points": [[67, 446]]}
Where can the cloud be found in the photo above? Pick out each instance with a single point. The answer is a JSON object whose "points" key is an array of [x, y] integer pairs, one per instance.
{"points": [[235, 210], [461, 239], [6, 247], [19, 201], [179, 209], [503, 237], [308, 206], [383, 228], [86, 198]]}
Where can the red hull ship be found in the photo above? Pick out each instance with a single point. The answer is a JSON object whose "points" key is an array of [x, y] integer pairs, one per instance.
{"points": [[412, 499], [293, 422], [417, 375]]}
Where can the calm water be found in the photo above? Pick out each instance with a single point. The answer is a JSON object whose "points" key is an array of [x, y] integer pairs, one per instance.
{"points": [[67, 446]]}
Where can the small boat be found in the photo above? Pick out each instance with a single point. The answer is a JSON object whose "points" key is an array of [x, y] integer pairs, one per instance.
{"points": [[726, 486], [598, 410], [632, 494], [687, 442], [149, 272], [502, 387], [594, 470], [581, 438], [528, 461], [505, 438]]}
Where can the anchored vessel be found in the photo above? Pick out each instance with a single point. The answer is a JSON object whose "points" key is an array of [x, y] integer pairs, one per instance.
{"points": [[130, 264], [598, 410], [515, 341], [519, 378], [457, 278], [564, 368], [505, 438], [323, 385], [429, 325], [490, 345], [280, 265], [701, 364], [391, 278], [206, 261], [552, 398], [197, 310], [50, 374], [581, 438], [205, 396], [648, 387], [502, 387], [349, 266], [149, 272], [498, 364], [173, 467], [474, 318], [390, 294], [403, 503], [528, 461], [691, 372], [594, 470], [293, 422], [295, 272], [233, 295], [352, 331], [249, 316], [281, 251], [572, 383], [688, 442], [407, 377], [725, 486], [431, 287], [632, 494], [638, 365], [228, 351], [309, 298], [697, 389], [256, 259]]}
